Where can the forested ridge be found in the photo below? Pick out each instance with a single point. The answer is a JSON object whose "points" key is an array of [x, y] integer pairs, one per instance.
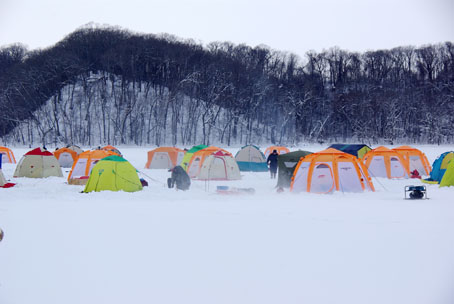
{"points": [[108, 85]]}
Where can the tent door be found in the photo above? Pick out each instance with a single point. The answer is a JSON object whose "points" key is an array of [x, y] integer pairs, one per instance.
{"points": [[322, 179]]}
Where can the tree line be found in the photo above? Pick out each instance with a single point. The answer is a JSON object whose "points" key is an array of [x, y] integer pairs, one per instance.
{"points": [[108, 85]]}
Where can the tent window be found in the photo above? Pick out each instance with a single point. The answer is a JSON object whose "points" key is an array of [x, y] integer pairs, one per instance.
{"points": [[290, 164]]}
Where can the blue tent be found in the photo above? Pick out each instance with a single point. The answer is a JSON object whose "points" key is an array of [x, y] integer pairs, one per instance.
{"points": [[358, 150], [250, 158], [439, 167]]}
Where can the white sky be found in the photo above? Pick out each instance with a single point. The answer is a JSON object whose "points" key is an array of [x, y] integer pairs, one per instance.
{"points": [[287, 25]]}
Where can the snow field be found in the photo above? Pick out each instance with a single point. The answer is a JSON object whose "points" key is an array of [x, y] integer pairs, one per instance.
{"points": [[165, 246]]}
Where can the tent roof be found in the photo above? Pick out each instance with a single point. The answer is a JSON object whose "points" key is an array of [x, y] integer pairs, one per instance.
{"points": [[197, 148], [345, 147], [293, 155], [382, 149], [114, 158], [39, 151], [254, 146]]}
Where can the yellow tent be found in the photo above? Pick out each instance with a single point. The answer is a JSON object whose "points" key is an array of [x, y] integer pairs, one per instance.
{"points": [[113, 173]]}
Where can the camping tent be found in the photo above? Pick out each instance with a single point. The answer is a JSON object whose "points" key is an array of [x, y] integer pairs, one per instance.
{"points": [[448, 177], [439, 167], [81, 168], [384, 162], [358, 150], [113, 173], [188, 155], [330, 170], [219, 166], [279, 149], [75, 148], [7, 155], [414, 159], [2, 178], [198, 158], [38, 163], [250, 158], [111, 149], [66, 157], [3, 182], [286, 164], [164, 158]]}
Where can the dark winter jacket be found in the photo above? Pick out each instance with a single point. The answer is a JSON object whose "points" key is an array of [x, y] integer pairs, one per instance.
{"points": [[180, 178], [272, 161]]}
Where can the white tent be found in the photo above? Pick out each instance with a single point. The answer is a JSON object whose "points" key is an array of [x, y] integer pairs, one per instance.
{"points": [[2, 178], [38, 163], [219, 166]]}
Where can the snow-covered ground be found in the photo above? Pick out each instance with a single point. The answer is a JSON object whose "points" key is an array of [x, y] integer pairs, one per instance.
{"points": [[166, 246]]}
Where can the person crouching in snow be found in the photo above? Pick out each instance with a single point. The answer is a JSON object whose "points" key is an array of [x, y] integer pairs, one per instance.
{"points": [[272, 162], [179, 178]]}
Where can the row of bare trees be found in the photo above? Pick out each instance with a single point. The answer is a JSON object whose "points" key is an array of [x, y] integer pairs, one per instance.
{"points": [[107, 85]]}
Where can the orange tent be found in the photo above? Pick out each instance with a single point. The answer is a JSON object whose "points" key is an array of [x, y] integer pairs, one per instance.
{"points": [[414, 159], [330, 170], [279, 149], [384, 162], [164, 158], [7, 155], [81, 168], [112, 149], [199, 157], [66, 157]]}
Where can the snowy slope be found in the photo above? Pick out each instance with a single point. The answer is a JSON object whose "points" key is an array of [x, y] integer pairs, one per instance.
{"points": [[166, 246]]}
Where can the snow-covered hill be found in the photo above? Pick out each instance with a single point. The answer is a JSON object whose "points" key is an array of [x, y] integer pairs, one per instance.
{"points": [[166, 246]]}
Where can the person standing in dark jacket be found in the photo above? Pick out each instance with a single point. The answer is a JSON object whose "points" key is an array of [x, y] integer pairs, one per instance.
{"points": [[272, 162]]}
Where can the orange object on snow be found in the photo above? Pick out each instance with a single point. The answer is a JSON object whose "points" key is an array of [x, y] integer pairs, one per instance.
{"points": [[82, 166], [280, 150], [7, 155], [330, 170], [414, 159], [164, 158], [384, 162]]}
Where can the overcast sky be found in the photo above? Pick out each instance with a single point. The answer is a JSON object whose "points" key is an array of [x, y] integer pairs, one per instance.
{"points": [[287, 25]]}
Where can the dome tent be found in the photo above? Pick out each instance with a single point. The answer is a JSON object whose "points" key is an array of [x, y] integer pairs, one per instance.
{"points": [[448, 177], [66, 157], [250, 158], [219, 166], [384, 162], [330, 170], [2, 177], [7, 155], [197, 159], [164, 158], [38, 163], [188, 155], [113, 173], [280, 150], [414, 159], [439, 167], [111, 149], [286, 164], [81, 168], [358, 150]]}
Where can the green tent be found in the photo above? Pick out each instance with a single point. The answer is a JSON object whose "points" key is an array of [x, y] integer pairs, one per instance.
{"points": [[448, 177], [286, 164], [113, 173], [188, 155]]}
